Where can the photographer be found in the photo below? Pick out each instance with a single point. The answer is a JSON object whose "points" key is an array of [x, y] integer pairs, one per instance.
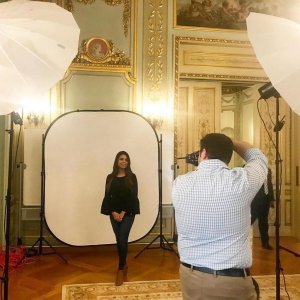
{"points": [[212, 211]]}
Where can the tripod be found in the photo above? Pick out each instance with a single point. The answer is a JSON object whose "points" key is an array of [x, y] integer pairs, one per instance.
{"points": [[41, 239], [277, 128], [267, 91], [14, 119], [163, 243]]}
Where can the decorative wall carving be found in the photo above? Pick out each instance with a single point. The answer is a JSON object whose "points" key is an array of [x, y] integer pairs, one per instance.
{"points": [[98, 54], [196, 115], [100, 51], [155, 61], [217, 59], [155, 45], [126, 12], [86, 1]]}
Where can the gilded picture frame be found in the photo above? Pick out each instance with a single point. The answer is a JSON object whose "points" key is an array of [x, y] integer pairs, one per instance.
{"points": [[228, 14], [97, 49]]}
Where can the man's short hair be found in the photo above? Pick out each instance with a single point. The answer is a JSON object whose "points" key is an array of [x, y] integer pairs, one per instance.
{"points": [[217, 146]]}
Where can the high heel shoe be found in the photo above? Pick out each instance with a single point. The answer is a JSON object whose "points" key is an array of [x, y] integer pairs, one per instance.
{"points": [[119, 277]]}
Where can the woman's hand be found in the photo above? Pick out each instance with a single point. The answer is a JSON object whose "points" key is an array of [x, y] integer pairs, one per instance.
{"points": [[118, 216], [122, 213]]}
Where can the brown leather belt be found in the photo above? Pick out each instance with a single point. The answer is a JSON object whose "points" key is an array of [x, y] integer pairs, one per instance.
{"points": [[226, 272]]}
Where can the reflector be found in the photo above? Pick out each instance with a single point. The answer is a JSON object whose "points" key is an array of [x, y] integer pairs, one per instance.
{"points": [[276, 42]]}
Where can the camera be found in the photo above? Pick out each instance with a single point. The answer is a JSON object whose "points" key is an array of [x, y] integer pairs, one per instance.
{"points": [[191, 158]]}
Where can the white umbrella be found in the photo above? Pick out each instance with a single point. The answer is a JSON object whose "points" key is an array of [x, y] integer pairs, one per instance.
{"points": [[276, 42], [38, 41]]}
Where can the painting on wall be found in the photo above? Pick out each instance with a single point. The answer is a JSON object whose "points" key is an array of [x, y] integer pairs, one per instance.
{"points": [[230, 14], [97, 48]]}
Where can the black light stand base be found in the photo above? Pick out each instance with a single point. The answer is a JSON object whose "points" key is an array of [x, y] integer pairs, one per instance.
{"points": [[39, 242], [39, 251], [164, 244], [290, 251]]}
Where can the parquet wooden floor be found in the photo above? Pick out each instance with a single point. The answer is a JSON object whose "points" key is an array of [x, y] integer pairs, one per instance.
{"points": [[44, 276]]}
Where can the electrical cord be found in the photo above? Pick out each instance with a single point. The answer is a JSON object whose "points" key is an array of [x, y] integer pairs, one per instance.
{"points": [[280, 167]]}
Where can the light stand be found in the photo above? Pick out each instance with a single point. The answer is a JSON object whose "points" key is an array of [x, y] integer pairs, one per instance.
{"points": [[41, 238], [266, 92], [163, 243], [14, 119], [277, 214], [21, 167]]}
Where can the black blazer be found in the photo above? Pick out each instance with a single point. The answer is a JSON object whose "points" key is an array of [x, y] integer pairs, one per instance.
{"points": [[134, 203]]}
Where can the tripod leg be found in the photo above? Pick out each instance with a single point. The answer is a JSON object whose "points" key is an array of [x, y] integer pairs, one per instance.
{"points": [[32, 247], [42, 212], [54, 250], [161, 238], [39, 243], [147, 247], [169, 247]]}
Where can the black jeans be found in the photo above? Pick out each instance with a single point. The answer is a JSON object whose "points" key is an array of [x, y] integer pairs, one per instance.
{"points": [[122, 230], [260, 211]]}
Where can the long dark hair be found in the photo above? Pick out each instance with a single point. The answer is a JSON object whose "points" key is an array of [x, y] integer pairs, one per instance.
{"points": [[128, 171]]}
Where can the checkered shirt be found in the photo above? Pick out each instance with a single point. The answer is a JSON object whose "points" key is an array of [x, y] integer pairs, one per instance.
{"points": [[212, 211]]}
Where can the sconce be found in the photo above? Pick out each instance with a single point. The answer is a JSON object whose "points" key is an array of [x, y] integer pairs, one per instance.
{"points": [[156, 111], [156, 122], [37, 111], [35, 119]]}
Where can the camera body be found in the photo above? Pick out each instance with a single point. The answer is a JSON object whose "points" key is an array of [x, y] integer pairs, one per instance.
{"points": [[192, 158]]}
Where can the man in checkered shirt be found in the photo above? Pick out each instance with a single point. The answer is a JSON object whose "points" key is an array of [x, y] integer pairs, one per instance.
{"points": [[212, 213]]}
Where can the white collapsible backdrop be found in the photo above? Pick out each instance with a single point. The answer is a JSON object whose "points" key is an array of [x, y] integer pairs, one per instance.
{"points": [[79, 152]]}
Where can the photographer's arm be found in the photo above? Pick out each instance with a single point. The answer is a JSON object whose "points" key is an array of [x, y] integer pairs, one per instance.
{"points": [[240, 147], [256, 165]]}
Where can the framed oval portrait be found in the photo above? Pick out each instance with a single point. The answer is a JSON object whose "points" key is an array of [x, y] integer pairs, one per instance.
{"points": [[97, 48]]}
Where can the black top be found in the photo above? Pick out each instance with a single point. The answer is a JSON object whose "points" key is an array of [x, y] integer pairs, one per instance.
{"points": [[119, 196]]}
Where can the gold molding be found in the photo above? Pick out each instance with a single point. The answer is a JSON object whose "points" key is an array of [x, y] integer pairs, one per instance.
{"points": [[86, 1], [234, 44], [108, 54], [155, 59], [107, 59], [126, 71], [155, 46], [222, 77], [113, 2], [210, 41]]}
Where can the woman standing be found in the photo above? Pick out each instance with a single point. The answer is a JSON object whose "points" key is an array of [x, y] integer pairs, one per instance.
{"points": [[121, 203]]}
